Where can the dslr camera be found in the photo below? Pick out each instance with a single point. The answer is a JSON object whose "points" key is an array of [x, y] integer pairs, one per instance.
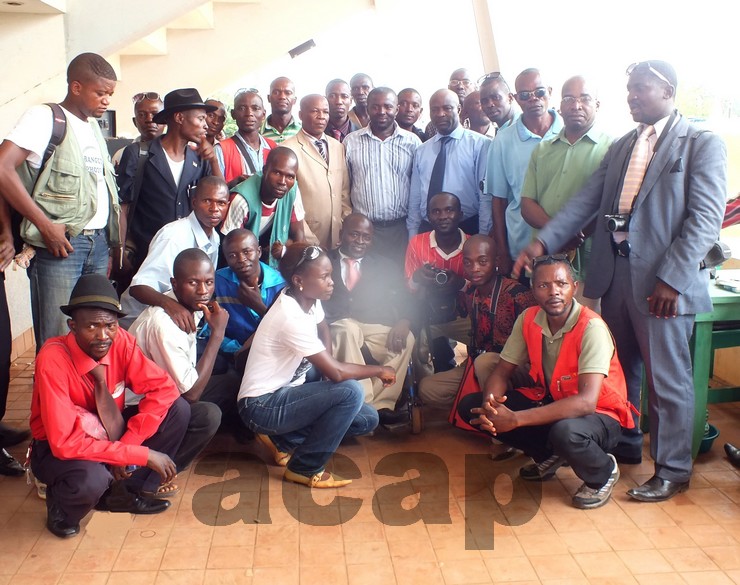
{"points": [[619, 222], [440, 275]]}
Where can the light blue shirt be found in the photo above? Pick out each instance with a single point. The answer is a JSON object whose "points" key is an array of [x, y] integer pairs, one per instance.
{"points": [[467, 154], [508, 160]]}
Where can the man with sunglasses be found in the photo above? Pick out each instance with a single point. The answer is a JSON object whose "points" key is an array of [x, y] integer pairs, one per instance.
{"points": [[572, 408], [147, 104], [507, 164], [661, 189], [560, 167]]}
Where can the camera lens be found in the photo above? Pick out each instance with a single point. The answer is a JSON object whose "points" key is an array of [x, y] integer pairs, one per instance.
{"points": [[441, 277]]}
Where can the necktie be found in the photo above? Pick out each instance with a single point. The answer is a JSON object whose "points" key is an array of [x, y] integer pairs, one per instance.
{"points": [[438, 170], [641, 154], [353, 273], [322, 150], [337, 134], [108, 412]]}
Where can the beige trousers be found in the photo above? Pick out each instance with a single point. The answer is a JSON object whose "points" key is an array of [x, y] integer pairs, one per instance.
{"points": [[439, 390], [348, 336]]}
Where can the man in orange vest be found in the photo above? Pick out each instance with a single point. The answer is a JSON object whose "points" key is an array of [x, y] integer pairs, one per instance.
{"points": [[573, 407]]}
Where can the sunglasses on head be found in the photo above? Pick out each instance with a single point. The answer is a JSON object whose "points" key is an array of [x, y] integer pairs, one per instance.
{"points": [[245, 90], [525, 96], [550, 257], [490, 77], [147, 95], [310, 253], [649, 67]]}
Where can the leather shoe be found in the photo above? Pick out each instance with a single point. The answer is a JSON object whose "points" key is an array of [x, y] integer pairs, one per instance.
{"points": [[733, 454], [393, 417], [322, 479], [56, 523], [10, 437], [9, 465], [119, 500], [657, 489], [279, 457]]}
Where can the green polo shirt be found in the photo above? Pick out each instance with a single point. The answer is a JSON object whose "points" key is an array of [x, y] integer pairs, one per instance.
{"points": [[290, 130], [558, 170], [597, 346]]}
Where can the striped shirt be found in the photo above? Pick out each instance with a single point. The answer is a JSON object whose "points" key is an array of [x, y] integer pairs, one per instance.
{"points": [[423, 249], [380, 172]]}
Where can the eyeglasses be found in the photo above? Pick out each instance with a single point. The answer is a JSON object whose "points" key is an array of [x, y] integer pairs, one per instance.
{"points": [[570, 100], [147, 95], [245, 90], [309, 253], [550, 257], [525, 96], [490, 77], [459, 82], [649, 67]]}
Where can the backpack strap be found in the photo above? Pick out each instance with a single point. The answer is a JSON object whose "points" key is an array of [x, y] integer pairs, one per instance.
{"points": [[245, 154]]}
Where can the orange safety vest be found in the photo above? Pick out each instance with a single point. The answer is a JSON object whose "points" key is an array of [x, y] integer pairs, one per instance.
{"points": [[613, 395]]}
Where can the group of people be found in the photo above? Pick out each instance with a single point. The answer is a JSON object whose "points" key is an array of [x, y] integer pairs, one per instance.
{"points": [[279, 281]]}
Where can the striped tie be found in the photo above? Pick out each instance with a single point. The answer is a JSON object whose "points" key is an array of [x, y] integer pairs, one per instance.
{"points": [[641, 154], [322, 150]]}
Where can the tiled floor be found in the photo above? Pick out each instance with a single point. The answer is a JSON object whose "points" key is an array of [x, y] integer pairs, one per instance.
{"points": [[236, 522]]}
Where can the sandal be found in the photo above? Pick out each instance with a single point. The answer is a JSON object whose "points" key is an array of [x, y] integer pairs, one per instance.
{"points": [[166, 490]]}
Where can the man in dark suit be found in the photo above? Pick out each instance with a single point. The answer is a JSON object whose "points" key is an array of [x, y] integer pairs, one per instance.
{"points": [[172, 168], [370, 308], [647, 269]]}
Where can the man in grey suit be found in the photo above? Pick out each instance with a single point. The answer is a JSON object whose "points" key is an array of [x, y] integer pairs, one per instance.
{"points": [[646, 267]]}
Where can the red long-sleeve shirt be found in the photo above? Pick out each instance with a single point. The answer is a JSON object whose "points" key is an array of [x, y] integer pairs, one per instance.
{"points": [[63, 381]]}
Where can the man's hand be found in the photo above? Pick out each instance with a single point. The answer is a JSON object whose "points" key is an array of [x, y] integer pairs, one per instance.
{"points": [[494, 417], [180, 315], [277, 250], [526, 256], [162, 464], [119, 472], [387, 376], [251, 297], [215, 316], [664, 300], [396, 341], [205, 150], [55, 240]]}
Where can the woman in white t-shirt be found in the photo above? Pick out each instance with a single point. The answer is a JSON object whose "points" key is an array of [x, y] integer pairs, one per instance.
{"points": [[302, 423]]}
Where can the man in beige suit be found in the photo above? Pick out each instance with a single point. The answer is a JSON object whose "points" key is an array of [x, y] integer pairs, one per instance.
{"points": [[322, 173]]}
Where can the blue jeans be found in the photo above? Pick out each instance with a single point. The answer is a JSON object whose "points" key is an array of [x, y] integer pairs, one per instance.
{"points": [[52, 281], [310, 420]]}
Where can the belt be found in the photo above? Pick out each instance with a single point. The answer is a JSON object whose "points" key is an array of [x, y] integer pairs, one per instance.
{"points": [[622, 249], [388, 223], [92, 232]]}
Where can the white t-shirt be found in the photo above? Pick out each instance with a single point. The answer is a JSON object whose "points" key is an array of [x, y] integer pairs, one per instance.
{"points": [[284, 337], [175, 167], [33, 132]]}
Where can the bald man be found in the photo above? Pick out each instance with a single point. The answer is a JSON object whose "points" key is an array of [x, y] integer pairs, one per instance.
{"points": [[322, 173]]}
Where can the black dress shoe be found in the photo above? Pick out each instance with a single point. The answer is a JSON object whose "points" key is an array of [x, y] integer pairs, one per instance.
{"points": [[10, 437], [657, 489], [733, 454], [393, 417], [57, 524], [9, 465], [118, 499]]}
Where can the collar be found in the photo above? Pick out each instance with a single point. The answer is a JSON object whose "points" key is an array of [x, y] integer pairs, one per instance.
{"points": [[433, 244], [525, 134], [660, 124], [343, 129], [263, 142], [570, 322], [593, 135], [313, 139], [342, 256], [201, 239], [457, 134], [291, 125]]}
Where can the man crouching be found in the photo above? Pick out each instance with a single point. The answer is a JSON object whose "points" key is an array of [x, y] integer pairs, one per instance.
{"points": [[575, 408], [83, 449]]}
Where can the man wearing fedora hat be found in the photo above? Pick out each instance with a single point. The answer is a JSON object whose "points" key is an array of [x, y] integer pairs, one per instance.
{"points": [[155, 191], [88, 453]]}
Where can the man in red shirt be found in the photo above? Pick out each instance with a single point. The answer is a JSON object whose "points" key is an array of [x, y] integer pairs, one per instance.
{"points": [[83, 449]]}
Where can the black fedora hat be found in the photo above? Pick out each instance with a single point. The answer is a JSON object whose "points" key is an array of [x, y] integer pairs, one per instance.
{"points": [[178, 100], [93, 291]]}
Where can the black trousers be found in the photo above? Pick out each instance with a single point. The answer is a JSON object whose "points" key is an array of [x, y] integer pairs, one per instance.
{"points": [[583, 442], [75, 485], [6, 343]]}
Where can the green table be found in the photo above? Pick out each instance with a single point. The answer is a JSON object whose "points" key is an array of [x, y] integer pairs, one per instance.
{"points": [[707, 338]]}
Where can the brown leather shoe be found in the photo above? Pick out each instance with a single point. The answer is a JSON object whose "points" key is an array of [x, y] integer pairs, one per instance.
{"points": [[278, 457], [323, 479]]}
